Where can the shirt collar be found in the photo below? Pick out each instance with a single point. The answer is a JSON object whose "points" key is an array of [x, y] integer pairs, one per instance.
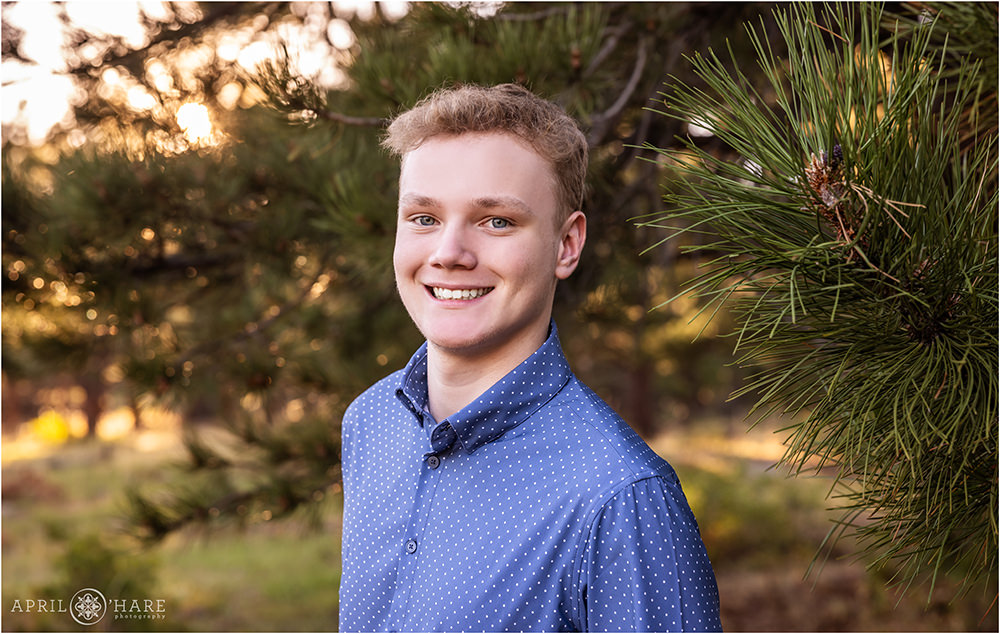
{"points": [[505, 405]]}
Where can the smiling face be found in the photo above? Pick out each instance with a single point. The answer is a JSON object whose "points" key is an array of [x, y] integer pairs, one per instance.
{"points": [[480, 245]]}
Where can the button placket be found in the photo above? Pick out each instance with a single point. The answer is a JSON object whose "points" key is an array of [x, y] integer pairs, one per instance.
{"points": [[408, 560]]}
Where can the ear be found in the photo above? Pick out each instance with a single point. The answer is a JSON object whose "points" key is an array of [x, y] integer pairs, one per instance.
{"points": [[573, 235]]}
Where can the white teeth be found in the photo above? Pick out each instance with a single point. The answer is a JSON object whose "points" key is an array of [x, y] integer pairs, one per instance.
{"points": [[465, 293]]}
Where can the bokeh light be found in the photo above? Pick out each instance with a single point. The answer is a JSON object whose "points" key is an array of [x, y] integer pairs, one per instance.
{"points": [[194, 120]]}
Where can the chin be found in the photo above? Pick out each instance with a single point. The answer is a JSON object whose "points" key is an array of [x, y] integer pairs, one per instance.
{"points": [[458, 343]]}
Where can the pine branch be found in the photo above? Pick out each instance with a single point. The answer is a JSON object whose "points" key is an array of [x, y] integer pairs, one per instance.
{"points": [[610, 44], [273, 471], [216, 14], [858, 248], [369, 122], [601, 123], [537, 16], [250, 330]]}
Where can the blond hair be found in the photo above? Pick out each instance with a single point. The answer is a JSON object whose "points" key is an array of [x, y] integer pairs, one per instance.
{"points": [[506, 108]]}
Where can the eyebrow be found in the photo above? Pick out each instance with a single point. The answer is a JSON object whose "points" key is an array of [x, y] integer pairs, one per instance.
{"points": [[483, 202], [416, 200], [510, 202]]}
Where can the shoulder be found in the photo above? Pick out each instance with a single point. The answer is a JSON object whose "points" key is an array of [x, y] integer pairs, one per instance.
{"points": [[606, 436], [655, 497], [368, 417], [375, 399]]}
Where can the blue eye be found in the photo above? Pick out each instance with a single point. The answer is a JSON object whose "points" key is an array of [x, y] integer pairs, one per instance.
{"points": [[499, 223], [424, 221]]}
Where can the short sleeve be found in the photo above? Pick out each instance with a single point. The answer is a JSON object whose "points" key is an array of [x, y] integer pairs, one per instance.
{"points": [[644, 566]]}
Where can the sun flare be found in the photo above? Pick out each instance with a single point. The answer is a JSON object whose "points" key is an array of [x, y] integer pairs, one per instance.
{"points": [[194, 120]]}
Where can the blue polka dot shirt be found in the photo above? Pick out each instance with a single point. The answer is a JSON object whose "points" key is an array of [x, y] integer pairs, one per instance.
{"points": [[534, 508]]}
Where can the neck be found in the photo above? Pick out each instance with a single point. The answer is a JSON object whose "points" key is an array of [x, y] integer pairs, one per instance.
{"points": [[454, 380]]}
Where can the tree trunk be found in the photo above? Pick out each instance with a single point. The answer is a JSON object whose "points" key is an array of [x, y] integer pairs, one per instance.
{"points": [[94, 405], [641, 399]]}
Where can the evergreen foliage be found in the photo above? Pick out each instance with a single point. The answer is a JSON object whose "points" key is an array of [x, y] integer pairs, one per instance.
{"points": [[247, 278], [855, 237]]}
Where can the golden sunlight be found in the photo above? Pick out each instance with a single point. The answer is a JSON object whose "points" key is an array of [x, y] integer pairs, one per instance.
{"points": [[194, 120]]}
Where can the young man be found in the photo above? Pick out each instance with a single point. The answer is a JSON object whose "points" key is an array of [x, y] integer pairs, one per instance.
{"points": [[485, 487]]}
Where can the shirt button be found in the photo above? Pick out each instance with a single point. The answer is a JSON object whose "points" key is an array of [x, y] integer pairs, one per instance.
{"points": [[411, 546], [433, 462]]}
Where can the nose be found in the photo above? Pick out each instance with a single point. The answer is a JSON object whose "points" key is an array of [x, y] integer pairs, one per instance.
{"points": [[453, 249]]}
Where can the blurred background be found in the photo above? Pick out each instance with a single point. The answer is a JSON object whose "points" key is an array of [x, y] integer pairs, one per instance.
{"points": [[197, 231]]}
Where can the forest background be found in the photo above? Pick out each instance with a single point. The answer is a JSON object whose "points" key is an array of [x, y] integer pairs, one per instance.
{"points": [[197, 282]]}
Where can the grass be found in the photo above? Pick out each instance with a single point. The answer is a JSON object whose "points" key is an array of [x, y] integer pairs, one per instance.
{"points": [[256, 581], [763, 530], [62, 519], [62, 531]]}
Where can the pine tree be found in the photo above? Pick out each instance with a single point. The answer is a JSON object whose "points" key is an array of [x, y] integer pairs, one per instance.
{"points": [[855, 236], [249, 280]]}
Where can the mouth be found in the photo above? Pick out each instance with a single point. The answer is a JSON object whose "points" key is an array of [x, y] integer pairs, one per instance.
{"points": [[461, 294]]}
